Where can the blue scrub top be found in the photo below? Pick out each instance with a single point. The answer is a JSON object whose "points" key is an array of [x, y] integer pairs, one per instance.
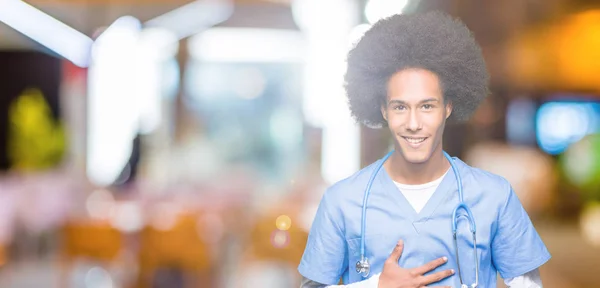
{"points": [[507, 242]]}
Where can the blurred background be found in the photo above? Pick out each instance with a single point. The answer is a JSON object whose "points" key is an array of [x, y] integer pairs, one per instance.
{"points": [[178, 143]]}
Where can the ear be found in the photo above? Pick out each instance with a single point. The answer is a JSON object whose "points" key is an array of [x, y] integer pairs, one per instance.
{"points": [[448, 109], [384, 112]]}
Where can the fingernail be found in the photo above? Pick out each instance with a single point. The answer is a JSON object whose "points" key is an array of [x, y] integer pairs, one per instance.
{"points": [[452, 271], [445, 258], [399, 243]]}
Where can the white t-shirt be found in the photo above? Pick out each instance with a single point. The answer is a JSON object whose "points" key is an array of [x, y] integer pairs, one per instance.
{"points": [[418, 195]]}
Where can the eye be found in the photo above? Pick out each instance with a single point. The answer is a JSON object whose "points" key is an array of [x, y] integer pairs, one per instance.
{"points": [[427, 106], [399, 107]]}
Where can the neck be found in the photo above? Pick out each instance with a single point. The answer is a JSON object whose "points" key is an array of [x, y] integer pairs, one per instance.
{"points": [[408, 173]]}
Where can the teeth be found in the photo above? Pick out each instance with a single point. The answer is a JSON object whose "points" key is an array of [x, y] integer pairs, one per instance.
{"points": [[415, 140]]}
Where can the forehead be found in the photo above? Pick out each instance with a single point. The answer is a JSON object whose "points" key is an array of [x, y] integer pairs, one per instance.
{"points": [[414, 85]]}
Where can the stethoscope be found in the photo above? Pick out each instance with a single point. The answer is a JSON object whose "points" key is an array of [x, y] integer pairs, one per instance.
{"points": [[363, 267]]}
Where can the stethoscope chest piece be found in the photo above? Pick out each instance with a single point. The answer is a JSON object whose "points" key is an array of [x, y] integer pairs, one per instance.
{"points": [[363, 267]]}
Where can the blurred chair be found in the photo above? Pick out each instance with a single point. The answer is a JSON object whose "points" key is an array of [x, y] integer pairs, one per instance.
{"points": [[272, 244], [178, 247], [91, 240], [3, 255]]}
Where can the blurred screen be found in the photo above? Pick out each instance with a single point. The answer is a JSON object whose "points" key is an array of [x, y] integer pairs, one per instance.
{"points": [[560, 123]]}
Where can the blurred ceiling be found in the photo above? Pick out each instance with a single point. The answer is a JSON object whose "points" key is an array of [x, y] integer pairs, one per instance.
{"points": [[87, 16], [508, 30], [491, 20]]}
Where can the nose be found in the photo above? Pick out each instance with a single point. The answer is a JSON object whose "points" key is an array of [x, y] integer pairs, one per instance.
{"points": [[414, 123]]}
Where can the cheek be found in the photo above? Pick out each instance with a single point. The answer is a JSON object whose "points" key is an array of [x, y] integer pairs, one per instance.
{"points": [[395, 121], [435, 123]]}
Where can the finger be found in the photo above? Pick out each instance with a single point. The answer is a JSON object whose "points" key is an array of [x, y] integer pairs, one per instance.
{"points": [[395, 256], [438, 276], [430, 266]]}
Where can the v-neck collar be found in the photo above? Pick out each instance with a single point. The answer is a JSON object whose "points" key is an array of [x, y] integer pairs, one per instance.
{"points": [[447, 186]]}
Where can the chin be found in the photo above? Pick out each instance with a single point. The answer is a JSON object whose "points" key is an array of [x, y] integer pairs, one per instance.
{"points": [[415, 157], [417, 160]]}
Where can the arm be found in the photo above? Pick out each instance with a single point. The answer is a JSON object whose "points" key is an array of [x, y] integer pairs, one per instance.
{"points": [[528, 280], [516, 246], [372, 282], [325, 256]]}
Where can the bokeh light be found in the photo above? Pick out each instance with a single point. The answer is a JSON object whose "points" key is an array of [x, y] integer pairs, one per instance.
{"points": [[100, 204], [165, 216], [127, 217], [283, 222], [581, 165], [280, 239], [97, 277], [559, 124], [590, 223]]}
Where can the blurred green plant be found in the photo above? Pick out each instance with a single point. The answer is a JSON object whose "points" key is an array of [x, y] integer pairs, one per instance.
{"points": [[35, 140], [580, 164]]}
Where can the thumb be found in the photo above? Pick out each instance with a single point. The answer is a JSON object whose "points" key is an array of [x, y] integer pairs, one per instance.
{"points": [[395, 256]]}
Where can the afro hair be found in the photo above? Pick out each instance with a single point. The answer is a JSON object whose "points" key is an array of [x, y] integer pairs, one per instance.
{"points": [[433, 41]]}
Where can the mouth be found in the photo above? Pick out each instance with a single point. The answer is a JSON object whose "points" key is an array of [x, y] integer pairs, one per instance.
{"points": [[415, 141]]}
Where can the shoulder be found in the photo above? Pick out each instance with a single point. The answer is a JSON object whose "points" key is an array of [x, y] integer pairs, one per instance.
{"points": [[351, 187], [492, 185]]}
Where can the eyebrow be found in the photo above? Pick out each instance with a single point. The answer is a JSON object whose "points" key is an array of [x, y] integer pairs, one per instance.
{"points": [[420, 102]]}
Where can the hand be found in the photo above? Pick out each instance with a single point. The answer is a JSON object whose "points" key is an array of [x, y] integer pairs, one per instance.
{"points": [[394, 276]]}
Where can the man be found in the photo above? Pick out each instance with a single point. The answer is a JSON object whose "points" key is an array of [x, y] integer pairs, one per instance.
{"points": [[413, 73]]}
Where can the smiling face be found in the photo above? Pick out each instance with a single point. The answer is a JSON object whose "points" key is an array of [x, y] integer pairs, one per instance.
{"points": [[416, 114]]}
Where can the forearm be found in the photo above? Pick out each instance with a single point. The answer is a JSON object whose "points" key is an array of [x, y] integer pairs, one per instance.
{"points": [[372, 282]]}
